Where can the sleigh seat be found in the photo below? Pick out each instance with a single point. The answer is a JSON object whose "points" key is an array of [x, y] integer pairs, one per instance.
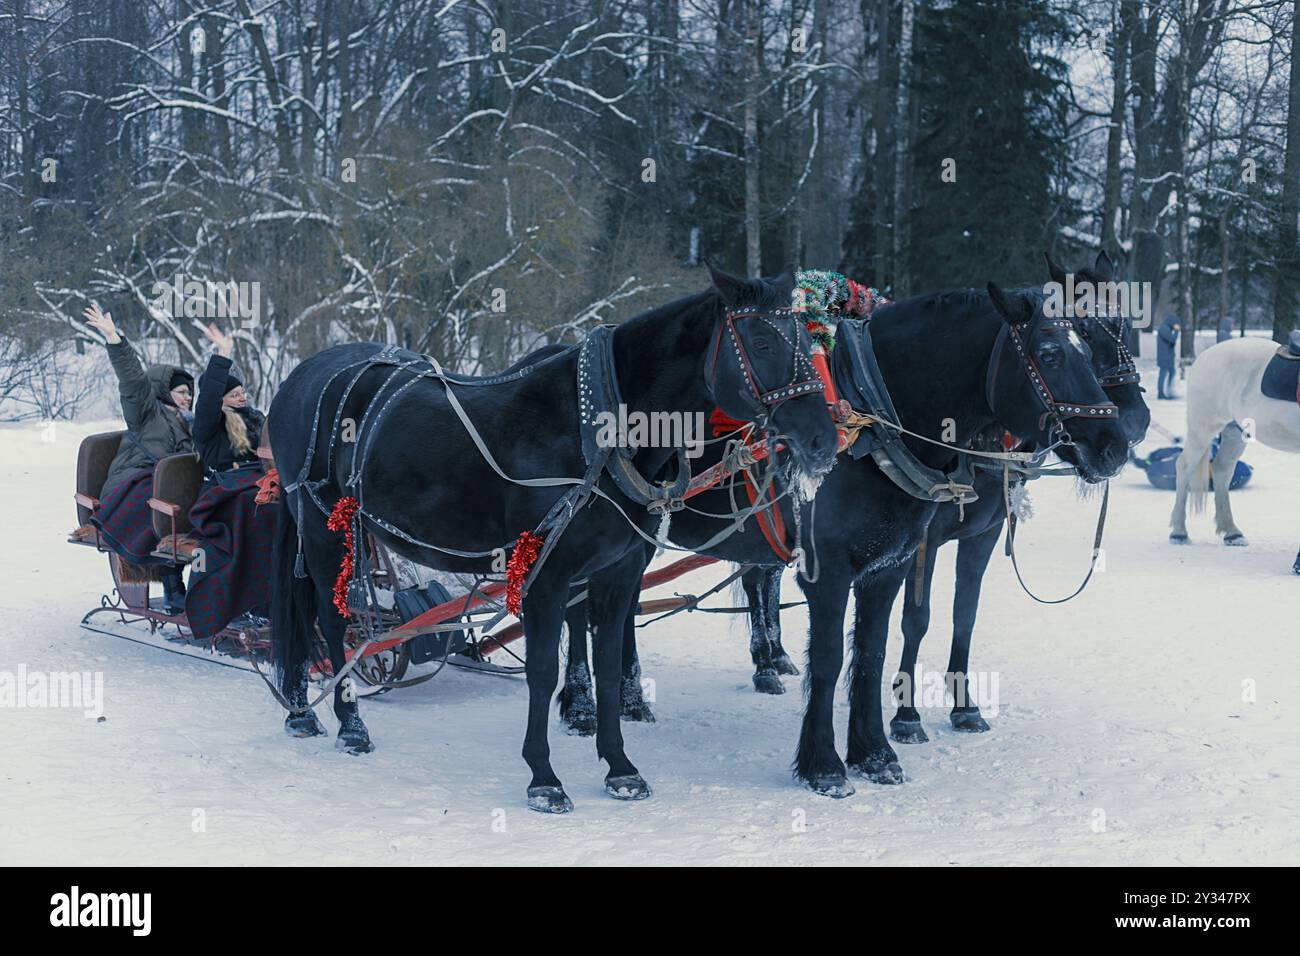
{"points": [[177, 480]]}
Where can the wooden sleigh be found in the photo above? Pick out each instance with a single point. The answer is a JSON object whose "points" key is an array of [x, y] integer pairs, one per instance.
{"points": [[450, 629]]}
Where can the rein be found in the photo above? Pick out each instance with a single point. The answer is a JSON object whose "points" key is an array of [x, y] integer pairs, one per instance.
{"points": [[1011, 542]]}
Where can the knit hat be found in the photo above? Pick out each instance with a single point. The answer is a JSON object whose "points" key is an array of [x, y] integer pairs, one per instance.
{"points": [[180, 378], [232, 383]]}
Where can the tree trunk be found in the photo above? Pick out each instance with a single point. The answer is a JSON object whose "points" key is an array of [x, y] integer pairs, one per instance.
{"points": [[1110, 231], [902, 152], [883, 260], [753, 217], [1286, 275]]}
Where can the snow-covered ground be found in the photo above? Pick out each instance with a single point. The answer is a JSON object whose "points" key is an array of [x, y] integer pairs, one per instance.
{"points": [[1127, 732]]}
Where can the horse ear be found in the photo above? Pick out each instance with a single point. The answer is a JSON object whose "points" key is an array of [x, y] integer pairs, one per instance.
{"points": [[784, 283], [1104, 268], [731, 288], [1014, 308], [1055, 271]]}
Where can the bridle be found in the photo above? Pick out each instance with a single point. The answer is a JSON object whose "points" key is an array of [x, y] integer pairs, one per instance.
{"points": [[763, 400], [1054, 409], [1124, 371]]}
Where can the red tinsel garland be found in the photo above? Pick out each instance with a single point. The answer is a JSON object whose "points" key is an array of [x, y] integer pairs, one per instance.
{"points": [[340, 519], [521, 559]]}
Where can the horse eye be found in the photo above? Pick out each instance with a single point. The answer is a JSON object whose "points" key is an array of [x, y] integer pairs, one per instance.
{"points": [[1049, 356], [762, 344]]}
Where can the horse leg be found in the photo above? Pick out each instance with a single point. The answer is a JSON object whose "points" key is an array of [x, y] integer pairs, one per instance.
{"points": [[1232, 443], [817, 763], [772, 590], [972, 561], [906, 726], [611, 608], [577, 703], [869, 751], [766, 679], [353, 736], [634, 706], [543, 617]]}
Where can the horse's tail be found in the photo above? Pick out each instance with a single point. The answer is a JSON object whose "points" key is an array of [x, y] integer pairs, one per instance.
{"points": [[293, 601], [1198, 481]]}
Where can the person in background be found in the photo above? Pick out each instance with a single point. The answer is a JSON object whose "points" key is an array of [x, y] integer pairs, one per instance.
{"points": [[156, 406], [226, 426], [1224, 331], [1167, 355]]}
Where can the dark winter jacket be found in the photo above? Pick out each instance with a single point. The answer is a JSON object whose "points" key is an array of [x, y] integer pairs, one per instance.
{"points": [[210, 437], [1168, 341], [157, 427]]}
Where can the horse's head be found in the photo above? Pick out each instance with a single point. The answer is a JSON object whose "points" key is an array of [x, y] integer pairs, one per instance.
{"points": [[760, 369], [1041, 385], [1103, 326]]}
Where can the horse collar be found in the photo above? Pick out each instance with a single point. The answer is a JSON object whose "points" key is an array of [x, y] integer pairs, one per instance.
{"points": [[599, 396]]}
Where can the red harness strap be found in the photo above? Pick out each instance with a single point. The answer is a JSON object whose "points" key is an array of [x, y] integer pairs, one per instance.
{"points": [[769, 519]]}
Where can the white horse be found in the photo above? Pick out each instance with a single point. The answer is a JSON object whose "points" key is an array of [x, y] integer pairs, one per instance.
{"points": [[1223, 397]]}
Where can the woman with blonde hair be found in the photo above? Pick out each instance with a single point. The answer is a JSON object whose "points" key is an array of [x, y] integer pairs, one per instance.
{"points": [[234, 533], [226, 426]]}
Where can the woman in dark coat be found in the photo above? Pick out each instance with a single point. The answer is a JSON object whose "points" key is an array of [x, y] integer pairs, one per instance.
{"points": [[234, 534], [226, 427], [156, 405]]}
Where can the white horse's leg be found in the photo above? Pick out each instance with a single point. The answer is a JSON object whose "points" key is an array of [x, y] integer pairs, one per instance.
{"points": [[1231, 445]]}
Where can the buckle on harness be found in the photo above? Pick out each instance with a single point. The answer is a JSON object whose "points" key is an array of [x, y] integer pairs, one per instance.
{"points": [[666, 505]]}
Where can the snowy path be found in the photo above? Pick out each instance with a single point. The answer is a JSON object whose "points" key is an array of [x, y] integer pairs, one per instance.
{"points": [[1127, 701]]}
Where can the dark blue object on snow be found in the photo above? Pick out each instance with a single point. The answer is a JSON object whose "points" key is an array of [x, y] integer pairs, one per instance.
{"points": [[1162, 464]]}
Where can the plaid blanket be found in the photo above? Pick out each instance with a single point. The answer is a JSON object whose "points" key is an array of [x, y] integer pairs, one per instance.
{"points": [[124, 519], [234, 573]]}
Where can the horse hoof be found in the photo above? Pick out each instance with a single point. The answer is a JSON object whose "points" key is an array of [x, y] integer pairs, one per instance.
{"points": [[784, 665], [968, 721], [1178, 538], [835, 786], [353, 737], [1237, 540], [628, 787], [303, 725], [549, 800], [907, 732], [580, 726], [578, 713], [355, 744], [886, 771], [638, 713], [768, 683]]}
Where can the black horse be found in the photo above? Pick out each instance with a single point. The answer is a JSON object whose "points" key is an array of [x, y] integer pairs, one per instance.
{"points": [[953, 363], [978, 529], [449, 471]]}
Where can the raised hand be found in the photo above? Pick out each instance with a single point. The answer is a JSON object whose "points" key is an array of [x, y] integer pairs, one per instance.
{"points": [[102, 322], [224, 341]]}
